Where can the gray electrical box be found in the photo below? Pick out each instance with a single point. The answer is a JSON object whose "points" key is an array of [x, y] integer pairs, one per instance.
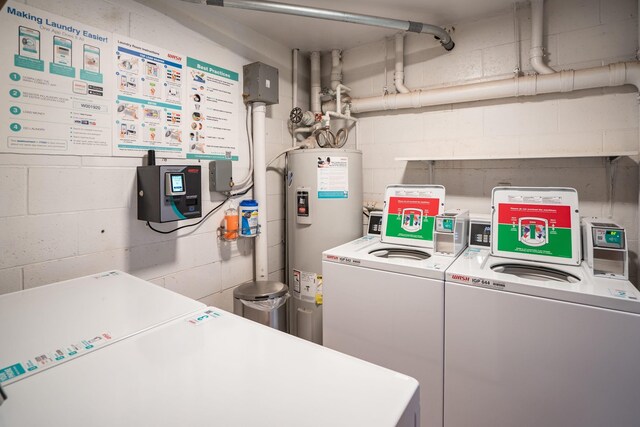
{"points": [[220, 175], [260, 83]]}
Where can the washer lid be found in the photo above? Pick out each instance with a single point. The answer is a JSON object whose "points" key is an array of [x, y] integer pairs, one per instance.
{"points": [[409, 214], [400, 252], [536, 224], [535, 272]]}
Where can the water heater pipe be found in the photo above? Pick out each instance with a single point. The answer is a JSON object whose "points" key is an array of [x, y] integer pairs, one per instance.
{"points": [[536, 54], [334, 15], [294, 79], [398, 77], [336, 69], [315, 82], [260, 188], [564, 81]]}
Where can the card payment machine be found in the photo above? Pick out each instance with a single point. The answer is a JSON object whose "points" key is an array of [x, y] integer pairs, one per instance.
{"points": [[169, 193], [450, 232], [604, 246]]}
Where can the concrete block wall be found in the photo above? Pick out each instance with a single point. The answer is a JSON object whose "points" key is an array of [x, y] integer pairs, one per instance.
{"points": [[67, 216], [578, 34]]}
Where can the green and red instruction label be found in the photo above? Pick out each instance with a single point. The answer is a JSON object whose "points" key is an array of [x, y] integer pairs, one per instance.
{"points": [[412, 217], [535, 229]]}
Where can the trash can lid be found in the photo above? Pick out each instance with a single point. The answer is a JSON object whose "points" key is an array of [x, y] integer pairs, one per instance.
{"points": [[260, 290]]}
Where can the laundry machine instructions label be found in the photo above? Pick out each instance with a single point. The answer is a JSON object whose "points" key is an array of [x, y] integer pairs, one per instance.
{"points": [[535, 229], [202, 317], [307, 286], [51, 358], [412, 217]]}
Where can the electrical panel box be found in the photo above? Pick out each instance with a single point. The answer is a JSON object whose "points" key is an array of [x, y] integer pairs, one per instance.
{"points": [[169, 193], [220, 175], [260, 83]]}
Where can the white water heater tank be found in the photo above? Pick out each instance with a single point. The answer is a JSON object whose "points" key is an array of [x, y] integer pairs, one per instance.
{"points": [[324, 210]]}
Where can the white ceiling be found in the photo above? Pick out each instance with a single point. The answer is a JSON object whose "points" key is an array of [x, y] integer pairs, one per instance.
{"points": [[314, 34]]}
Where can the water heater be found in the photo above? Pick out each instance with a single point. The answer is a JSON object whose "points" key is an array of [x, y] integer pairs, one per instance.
{"points": [[324, 210]]}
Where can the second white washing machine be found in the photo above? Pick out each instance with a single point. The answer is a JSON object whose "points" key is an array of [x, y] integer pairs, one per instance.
{"points": [[532, 336], [384, 295]]}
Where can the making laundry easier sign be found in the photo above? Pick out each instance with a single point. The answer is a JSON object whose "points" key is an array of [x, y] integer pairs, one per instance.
{"points": [[412, 217], [55, 97], [212, 115], [535, 229], [149, 107], [73, 89]]}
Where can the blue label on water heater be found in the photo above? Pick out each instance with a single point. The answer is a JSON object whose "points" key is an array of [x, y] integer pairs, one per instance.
{"points": [[333, 194]]}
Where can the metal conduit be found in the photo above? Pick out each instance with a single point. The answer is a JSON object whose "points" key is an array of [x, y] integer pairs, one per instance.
{"points": [[335, 15]]}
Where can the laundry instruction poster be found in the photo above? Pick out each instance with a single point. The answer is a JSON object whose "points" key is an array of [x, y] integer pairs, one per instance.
{"points": [[212, 111], [412, 217], [535, 229], [149, 110], [54, 88]]}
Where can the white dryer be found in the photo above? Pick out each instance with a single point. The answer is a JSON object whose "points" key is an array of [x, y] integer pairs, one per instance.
{"points": [[383, 299], [51, 325], [536, 339]]}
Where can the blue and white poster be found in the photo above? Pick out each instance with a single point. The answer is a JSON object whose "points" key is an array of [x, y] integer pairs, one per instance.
{"points": [[54, 84]]}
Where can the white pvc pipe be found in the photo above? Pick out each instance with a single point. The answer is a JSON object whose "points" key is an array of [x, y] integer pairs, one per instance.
{"points": [[338, 90], [398, 77], [260, 188], [294, 96], [564, 81], [536, 54], [336, 69], [315, 82]]}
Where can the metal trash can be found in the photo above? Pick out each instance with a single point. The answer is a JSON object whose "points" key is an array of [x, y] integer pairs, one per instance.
{"points": [[263, 302]]}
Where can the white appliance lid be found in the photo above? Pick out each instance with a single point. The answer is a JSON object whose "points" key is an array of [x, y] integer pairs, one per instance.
{"points": [[370, 252], [536, 224], [49, 325], [409, 214], [212, 368], [476, 268]]}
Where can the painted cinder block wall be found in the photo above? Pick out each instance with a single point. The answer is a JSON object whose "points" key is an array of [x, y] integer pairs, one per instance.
{"points": [[578, 34], [66, 216]]}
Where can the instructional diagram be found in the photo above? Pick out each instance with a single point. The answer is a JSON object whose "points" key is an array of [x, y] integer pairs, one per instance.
{"points": [[212, 111], [54, 86], [73, 89], [333, 177], [412, 217], [535, 229], [149, 110]]}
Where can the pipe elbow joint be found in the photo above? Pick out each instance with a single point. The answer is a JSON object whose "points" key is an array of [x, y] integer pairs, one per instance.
{"points": [[448, 46]]}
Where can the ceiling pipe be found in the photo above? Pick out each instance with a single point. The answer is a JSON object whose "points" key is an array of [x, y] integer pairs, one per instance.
{"points": [[564, 81], [536, 54], [336, 69], [334, 15], [398, 77], [315, 82]]}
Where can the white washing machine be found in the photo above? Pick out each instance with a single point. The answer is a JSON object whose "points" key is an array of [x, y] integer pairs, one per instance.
{"points": [[383, 302], [535, 339]]}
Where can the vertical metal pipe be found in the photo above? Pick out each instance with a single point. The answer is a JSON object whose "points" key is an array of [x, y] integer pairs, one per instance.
{"points": [[294, 95], [260, 188]]}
